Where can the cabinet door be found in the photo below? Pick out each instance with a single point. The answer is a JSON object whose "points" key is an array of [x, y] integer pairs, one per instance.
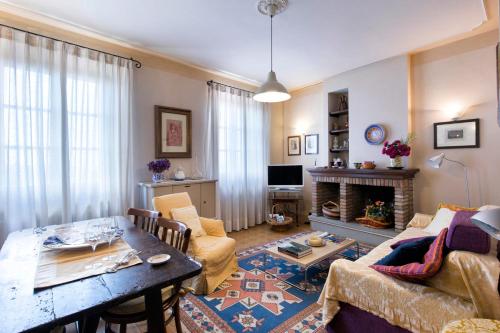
{"points": [[208, 199], [148, 193], [194, 193]]}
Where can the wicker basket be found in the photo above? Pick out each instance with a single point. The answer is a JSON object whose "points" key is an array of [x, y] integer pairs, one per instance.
{"points": [[374, 222], [331, 210], [275, 225]]}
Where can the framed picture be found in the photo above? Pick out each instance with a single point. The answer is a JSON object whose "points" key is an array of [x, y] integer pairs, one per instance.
{"points": [[456, 134], [294, 145], [172, 132], [311, 142]]}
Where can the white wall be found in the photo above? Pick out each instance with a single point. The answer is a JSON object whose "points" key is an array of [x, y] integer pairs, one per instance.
{"points": [[158, 87], [378, 94], [303, 114], [462, 73]]}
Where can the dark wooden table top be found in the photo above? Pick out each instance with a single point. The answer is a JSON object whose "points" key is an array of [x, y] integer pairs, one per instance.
{"points": [[23, 309]]}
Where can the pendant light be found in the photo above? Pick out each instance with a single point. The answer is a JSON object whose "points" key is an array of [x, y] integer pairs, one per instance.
{"points": [[271, 91]]}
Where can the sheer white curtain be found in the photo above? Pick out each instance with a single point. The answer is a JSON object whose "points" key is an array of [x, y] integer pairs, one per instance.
{"points": [[237, 154], [65, 132]]}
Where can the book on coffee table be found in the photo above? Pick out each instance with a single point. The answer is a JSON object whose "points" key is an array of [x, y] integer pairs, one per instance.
{"points": [[295, 249]]}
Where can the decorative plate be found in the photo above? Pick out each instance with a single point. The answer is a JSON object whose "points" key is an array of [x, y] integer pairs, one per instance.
{"points": [[375, 134]]}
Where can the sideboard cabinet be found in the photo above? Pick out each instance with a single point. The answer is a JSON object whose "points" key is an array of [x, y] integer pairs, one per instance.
{"points": [[201, 191]]}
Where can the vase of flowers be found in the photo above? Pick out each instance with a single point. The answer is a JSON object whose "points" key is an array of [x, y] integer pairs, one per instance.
{"points": [[396, 150], [158, 167]]}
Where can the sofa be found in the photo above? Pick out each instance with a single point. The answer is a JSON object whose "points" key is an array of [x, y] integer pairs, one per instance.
{"points": [[465, 287]]}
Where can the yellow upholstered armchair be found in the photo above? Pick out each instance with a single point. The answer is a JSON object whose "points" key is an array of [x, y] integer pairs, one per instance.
{"points": [[209, 243]]}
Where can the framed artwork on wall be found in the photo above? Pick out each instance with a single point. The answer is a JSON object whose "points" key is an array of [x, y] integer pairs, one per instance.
{"points": [[456, 134], [294, 145], [172, 132], [311, 144]]}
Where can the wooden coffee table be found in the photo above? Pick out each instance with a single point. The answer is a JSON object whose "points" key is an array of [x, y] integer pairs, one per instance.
{"points": [[318, 255]]}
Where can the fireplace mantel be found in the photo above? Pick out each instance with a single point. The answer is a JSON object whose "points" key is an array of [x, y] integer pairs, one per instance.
{"points": [[364, 173], [345, 186]]}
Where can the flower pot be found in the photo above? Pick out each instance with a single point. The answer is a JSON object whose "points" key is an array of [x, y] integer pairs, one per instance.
{"points": [[396, 162], [158, 177]]}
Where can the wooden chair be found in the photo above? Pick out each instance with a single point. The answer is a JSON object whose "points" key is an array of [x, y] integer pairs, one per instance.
{"points": [[177, 235], [144, 219]]}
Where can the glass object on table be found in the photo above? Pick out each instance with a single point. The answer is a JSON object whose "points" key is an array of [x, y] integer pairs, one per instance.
{"points": [[93, 236], [110, 231]]}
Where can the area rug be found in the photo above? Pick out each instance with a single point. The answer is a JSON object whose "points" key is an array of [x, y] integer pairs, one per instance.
{"points": [[252, 301]]}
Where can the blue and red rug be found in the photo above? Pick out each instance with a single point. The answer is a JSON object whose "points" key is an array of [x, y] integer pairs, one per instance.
{"points": [[252, 301]]}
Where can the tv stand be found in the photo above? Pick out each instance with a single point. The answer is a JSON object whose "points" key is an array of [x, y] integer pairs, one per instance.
{"points": [[286, 196]]}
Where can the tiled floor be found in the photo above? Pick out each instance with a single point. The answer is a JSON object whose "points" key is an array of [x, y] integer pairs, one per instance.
{"points": [[257, 235]]}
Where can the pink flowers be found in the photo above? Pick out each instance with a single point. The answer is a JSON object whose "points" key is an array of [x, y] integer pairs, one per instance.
{"points": [[395, 149]]}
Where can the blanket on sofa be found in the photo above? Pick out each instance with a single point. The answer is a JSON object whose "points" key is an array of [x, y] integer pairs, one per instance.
{"points": [[416, 307]]}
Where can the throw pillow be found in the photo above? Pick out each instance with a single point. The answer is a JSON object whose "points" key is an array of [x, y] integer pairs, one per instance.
{"points": [[463, 235], [407, 252], [454, 207], [416, 271], [442, 220], [189, 216]]}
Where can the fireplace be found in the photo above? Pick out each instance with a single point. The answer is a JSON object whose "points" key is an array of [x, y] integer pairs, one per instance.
{"points": [[352, 188]]}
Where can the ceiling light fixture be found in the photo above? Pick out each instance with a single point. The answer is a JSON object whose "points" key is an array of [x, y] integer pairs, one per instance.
{"points": [[271, 91]]}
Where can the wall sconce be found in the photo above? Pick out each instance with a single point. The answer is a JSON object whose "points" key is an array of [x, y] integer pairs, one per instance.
{"points": [[454, 110]]}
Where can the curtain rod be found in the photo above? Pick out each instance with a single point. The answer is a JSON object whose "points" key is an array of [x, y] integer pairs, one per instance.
{"points": [[225, 85], [137, 63]]}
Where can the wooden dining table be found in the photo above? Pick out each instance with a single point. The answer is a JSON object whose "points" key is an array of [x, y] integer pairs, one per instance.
{"points": [[23, 309]]}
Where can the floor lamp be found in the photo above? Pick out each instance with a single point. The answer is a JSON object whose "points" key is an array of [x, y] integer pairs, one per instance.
{"points": [[436, 162]]}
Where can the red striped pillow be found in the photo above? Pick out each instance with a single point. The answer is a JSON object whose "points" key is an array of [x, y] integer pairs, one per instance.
{"points": [[416, 271]]}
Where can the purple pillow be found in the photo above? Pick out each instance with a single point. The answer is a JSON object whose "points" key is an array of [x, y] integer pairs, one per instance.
{"points": [[463, 235]]}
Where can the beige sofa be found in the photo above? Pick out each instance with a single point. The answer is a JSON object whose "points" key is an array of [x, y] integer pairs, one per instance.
{"points": [[465, 287]]}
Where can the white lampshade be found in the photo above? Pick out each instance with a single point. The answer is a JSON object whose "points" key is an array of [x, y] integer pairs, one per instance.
{"points": [[436, 161], [488, 221], [271, 91]]}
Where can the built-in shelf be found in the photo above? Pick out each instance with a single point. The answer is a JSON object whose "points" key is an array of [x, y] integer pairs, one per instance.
{"points": [[338, 150], [339, 131], [338, 113]]}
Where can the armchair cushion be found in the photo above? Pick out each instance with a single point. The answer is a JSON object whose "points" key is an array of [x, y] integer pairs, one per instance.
{"points": [[166, 203], [189, 216], [213, 227]]}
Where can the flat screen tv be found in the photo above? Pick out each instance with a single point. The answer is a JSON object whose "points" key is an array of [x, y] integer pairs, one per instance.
{"points": [[284, 176]]}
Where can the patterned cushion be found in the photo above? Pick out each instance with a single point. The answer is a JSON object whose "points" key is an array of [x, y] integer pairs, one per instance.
{"points": [[463, 235], [407, 252], [417, 271]]}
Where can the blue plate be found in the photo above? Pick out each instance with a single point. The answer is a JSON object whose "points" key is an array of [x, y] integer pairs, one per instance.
{"points": [[375, 134]]}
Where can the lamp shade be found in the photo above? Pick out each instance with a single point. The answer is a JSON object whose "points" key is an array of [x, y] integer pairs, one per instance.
{"points": [[271, 91], [436, 161], [488, 221]]}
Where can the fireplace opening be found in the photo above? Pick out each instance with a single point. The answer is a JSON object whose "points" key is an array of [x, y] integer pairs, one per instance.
{"points": [[380, 196]]}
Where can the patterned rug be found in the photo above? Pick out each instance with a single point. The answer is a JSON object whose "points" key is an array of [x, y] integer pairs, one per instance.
{"points": [[252, 301]]}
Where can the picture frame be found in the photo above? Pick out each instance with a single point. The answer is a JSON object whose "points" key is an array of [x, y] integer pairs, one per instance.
{"points": [[172, 132], [457, 134], [294, 148], [311, 144]]}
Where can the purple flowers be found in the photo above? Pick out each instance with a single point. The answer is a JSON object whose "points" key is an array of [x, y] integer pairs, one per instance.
{"points": [[158, 166], [395, 149]]}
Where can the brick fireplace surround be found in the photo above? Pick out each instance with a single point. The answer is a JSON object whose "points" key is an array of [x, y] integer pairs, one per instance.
{"points": [[347, 188]]}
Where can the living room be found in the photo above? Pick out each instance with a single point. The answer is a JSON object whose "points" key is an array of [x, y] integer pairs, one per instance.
{"points": [[164, 168]]}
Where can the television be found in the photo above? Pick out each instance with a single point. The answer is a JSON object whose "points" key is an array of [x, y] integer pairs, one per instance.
{"points": [[285, 176]]}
